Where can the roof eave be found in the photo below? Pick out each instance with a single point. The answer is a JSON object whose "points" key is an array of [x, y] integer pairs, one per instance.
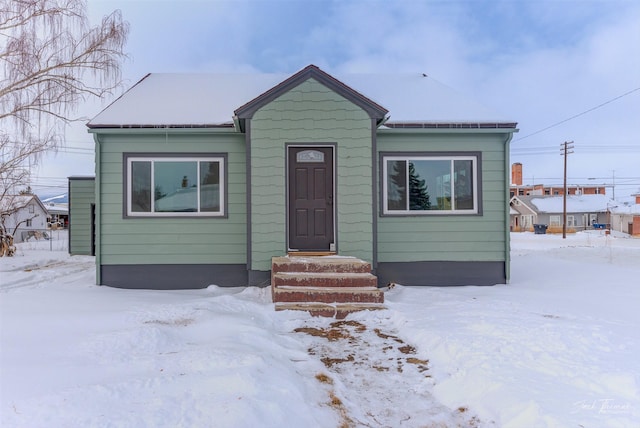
{"points": [[451, 125], [160, 126]]}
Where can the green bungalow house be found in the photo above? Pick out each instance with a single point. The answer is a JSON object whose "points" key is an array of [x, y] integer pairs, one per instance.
{"points": [[204, 178]]}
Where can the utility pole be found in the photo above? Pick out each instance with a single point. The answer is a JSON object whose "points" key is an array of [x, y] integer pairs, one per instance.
{"points": [[614, 184], [565, 149]]}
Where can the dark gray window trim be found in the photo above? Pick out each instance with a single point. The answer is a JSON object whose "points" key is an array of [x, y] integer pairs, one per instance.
{"points": [[127, 155], [477, 154]]}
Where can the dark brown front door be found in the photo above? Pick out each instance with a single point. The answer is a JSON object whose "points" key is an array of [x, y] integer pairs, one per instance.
{"points": [[310, 198]]}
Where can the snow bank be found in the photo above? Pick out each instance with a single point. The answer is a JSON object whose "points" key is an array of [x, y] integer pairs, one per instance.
{"points": [[557, 347]]}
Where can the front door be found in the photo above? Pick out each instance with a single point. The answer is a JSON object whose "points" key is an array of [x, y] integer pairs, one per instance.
{"points": [[311, 198]]}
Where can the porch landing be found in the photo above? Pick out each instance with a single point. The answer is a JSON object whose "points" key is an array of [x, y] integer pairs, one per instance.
{"points": [[330, 286]]}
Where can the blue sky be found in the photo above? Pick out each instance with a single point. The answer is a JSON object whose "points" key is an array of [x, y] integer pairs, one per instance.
{"points": [[538, 62]]}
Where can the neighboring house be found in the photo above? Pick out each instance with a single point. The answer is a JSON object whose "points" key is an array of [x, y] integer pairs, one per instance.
{"points": [[582, 211], [82, 197], [23, 216], [58, 214], [202, 179], [625, 217], [523, 215]]}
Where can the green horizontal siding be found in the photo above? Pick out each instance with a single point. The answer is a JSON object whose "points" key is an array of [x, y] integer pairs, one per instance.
{"points": [[81, 197], [449, 237], [310, 113], [162, 240]]}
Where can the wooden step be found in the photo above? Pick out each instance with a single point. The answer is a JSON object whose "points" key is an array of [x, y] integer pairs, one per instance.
{"points": [[324, 279], [319, 264], [338, 311], [292, 294], [331, 286]]}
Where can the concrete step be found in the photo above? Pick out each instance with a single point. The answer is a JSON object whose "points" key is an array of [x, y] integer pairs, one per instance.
{"points": [[306, 294], [331, 286], [324, 279], [319, 264], [338, 311]]}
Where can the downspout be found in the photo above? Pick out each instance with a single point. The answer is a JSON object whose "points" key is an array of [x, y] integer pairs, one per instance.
{"points": [[98, 210], [247, 139], [507, 160], [374, 195]]}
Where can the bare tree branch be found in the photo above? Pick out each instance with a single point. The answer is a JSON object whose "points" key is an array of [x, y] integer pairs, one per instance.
{"points": [[51, 62]]}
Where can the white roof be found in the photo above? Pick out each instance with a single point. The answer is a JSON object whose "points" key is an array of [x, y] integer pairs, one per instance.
{"points": [[16, 202], [62, 208], [162, 99], [631, 209], [575, 204]]}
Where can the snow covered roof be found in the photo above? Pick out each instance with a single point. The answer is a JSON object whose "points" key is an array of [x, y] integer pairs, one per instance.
{"points": [[209, 100], [631, 209], [575, 203], [60, 208], [17, 202]]}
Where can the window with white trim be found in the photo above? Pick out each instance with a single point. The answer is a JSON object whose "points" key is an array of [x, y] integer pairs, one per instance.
{"points": [[430, 184], [555, 220], [175, 186]]}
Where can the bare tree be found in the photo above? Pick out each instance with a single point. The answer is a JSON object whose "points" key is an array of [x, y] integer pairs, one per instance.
{"points": [[10, 206], [52, 61]]}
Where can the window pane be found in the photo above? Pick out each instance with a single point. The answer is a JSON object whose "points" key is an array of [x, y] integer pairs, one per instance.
{"points": [[141, 186], [463, 188], [176, 186], [419, 199], [397, 185], [210, 186], [430, 186]]}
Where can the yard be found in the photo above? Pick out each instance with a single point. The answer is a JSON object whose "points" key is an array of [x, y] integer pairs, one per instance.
{"points": [[557, 347]]}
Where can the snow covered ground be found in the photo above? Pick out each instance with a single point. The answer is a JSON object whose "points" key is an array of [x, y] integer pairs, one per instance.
{"points": [[558, 347]]}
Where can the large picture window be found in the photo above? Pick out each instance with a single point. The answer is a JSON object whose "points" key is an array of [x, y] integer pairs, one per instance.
{"points": [[430, 185], [175, 186]]}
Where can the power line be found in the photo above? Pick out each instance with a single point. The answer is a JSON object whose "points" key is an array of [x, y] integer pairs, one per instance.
{"points": [[578, 115]]}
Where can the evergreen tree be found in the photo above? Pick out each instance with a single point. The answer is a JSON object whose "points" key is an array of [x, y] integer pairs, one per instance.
{"points": [[397, 186], [418, 195]]}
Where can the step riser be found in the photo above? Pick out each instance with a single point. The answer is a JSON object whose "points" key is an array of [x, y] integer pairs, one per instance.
{"points": [[322, 281], [320, 296], [289, 264], [329, 287], [337, 313]]}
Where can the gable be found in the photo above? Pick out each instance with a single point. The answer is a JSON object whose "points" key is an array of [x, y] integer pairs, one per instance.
{"points": [[521, 206], [374, 110]]}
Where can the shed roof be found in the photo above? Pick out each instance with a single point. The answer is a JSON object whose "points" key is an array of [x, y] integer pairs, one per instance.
{"points": [[209, 100]]}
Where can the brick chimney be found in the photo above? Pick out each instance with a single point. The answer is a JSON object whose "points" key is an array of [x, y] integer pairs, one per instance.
{"points": [[637, 195], [516, 174]]}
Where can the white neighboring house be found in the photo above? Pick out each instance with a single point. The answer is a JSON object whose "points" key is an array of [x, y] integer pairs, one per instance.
{"points": [[23, 216], [625, 216], [583, 211]]}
